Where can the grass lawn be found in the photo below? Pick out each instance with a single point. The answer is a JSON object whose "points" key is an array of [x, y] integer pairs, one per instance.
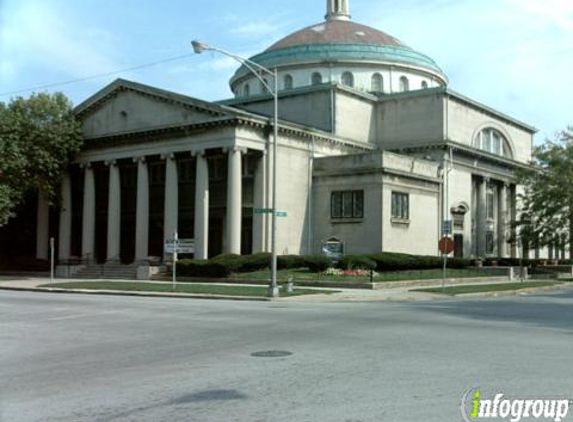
{"points": [[181, 288], [457, 290], [303, 274]]}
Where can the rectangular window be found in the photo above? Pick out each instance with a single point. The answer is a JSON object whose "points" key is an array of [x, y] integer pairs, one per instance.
{"points": [[490, 205], [489, 243], [347, 204], [400, 205]]}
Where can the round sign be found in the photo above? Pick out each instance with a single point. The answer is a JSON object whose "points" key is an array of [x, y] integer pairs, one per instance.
{"points": [[446, 245]]}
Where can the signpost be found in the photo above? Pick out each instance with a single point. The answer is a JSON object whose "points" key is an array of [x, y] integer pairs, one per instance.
{"points": [[52, 247], [446, 246], [176, 246]]}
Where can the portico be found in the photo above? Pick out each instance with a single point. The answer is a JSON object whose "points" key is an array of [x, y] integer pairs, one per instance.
{"points": [[228, 207]]}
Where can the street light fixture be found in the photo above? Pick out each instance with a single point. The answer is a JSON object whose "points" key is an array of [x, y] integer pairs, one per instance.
{"points": [[256, 69]]}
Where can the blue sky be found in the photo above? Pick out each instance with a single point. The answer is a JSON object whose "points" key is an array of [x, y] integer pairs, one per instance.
{"points": [[513, 55]]}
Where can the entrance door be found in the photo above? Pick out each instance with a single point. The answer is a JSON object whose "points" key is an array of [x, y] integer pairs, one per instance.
{"points": [[458, 245]]}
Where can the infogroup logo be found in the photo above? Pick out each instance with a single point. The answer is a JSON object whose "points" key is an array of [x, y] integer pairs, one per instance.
{"points": [[475, 407]]}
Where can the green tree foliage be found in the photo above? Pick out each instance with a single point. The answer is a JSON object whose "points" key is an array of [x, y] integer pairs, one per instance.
{"points": [[547, 202], [38, 138]]}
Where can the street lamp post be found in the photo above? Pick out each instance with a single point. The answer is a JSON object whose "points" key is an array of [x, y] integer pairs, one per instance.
{"points": [[255, 68]]}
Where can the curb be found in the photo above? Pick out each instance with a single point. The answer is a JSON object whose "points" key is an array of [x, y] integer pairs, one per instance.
{"points": [[502, 293], [136, 294]]}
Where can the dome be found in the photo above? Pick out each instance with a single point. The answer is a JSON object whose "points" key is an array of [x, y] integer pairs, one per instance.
{"points": [[337, 32], [344, 45]]}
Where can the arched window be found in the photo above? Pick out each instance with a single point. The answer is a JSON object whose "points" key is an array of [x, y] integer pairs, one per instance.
{"points": [[316, 78], [424, 85], [348, 79], [404, 84], [288, 83], [492, 141], [247, 90], [377, 83]]}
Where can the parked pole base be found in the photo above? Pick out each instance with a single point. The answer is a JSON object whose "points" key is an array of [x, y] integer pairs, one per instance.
{"points": [[273, 292]]}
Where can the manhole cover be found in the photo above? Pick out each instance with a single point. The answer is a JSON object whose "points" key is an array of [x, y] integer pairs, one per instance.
{"points": [[271, 354]]}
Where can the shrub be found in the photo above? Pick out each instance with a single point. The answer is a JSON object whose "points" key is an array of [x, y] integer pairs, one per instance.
{"points": [[316, 263], [356, 262], [290, 262], [460, 263], [255, 262], [390, 261], [192, 268], [233, 262]]}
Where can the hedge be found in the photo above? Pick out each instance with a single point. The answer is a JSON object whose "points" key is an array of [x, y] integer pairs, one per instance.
{"points": [[356, 262], [224, 265], [211, 269], [391, 261], [317, 263]]}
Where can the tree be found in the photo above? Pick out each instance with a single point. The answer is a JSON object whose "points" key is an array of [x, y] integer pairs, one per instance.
{"points": [[547, 201], [39, 136]]}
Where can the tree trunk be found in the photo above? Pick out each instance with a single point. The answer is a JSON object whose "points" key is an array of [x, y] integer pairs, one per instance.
{"points": [[571, 235]]}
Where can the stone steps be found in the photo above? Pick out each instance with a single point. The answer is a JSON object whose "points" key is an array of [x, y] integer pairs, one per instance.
{"points": [[113, 272]]}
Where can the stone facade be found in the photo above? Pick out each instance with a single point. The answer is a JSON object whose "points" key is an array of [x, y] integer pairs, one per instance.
{"points": [[379, 171]]}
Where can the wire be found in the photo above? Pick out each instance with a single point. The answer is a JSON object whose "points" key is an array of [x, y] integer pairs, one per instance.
{"points": [[99, 75]]}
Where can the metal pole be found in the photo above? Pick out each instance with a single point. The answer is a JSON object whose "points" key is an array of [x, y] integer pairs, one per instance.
{"points": [[175, 248], [273, 289], [52, 244]]}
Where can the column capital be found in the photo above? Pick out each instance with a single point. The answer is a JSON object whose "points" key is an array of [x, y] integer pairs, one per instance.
{"points": [[140, 159], [168, 156], [242, 150], [86, 165], [199, 152], [111, 163]]}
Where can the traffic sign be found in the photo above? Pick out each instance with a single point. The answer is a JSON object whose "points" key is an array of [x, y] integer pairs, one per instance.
{"points": [[281, 213], [259, 211], [446, 245], [447, 227], [180, 246]]}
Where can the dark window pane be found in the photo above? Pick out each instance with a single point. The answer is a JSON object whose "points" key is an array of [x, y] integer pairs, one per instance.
{"points": [[336, 205], [347, 204], [359, 204], [489, 243]]}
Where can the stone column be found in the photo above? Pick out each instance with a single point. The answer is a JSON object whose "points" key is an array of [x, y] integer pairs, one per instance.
{"points": [[65, 230], [43, 228], [259, 201], [171, 210], [88, 221], [234, 201], [201, 206], [502, 221], [114, 213], [512, 218], [142, 211], [481, 217]]}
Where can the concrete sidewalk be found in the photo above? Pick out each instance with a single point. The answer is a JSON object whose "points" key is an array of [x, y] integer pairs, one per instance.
{"points": [[397, 294]]}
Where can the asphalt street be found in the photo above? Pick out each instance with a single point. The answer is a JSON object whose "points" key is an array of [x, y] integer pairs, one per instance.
{"points": [[103, 358]]}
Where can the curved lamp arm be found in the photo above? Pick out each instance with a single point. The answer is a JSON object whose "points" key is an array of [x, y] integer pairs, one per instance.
{"points": [[200, 47]]}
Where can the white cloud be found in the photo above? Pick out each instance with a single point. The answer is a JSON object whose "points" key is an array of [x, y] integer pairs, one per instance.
{"points": [[35, 37]]}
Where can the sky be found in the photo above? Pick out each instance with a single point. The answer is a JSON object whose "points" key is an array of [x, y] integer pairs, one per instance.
{"points": [[513, 55]]}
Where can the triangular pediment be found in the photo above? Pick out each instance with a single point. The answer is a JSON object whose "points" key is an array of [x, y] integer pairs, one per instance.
{"points": [[126, 106]]}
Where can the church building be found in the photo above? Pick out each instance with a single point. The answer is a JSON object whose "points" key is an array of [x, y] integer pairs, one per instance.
{"points": [[374, 151]]}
